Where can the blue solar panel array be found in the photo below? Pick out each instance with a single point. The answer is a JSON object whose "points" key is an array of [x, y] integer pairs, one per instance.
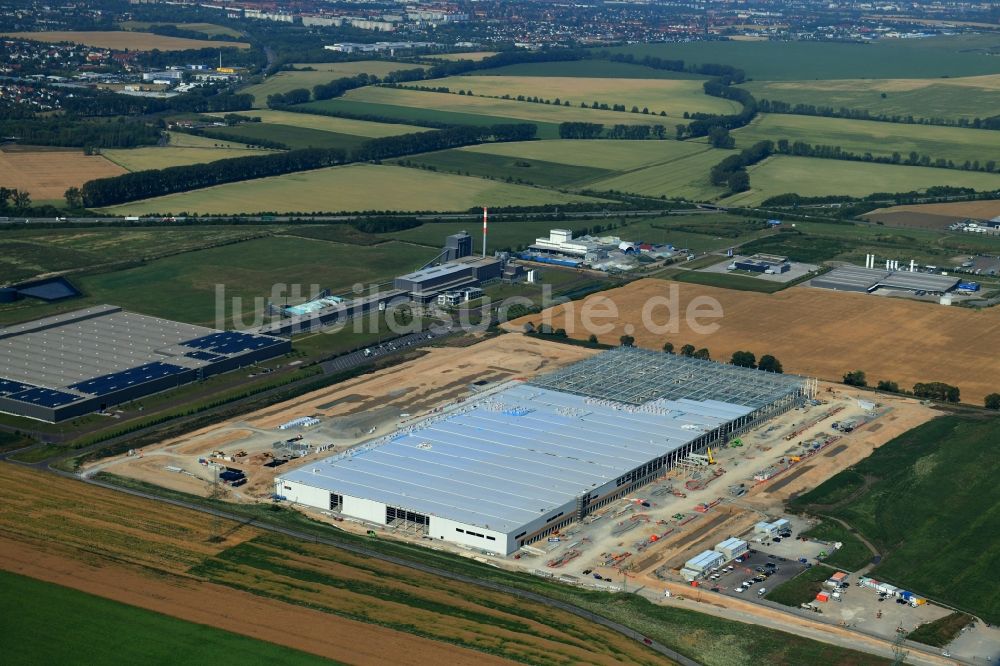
{"points": [[45, 397], [126, 378], [229, 342], [8, 386], [203, 356]]}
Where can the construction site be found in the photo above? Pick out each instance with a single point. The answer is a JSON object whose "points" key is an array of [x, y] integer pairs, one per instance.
{"points": [[645, 513]]}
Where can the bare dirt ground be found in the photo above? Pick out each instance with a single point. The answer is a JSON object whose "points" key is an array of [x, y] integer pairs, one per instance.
{"points": [[934, 216], [349, 412], [47, 174], [332, 637], [813, 332]]}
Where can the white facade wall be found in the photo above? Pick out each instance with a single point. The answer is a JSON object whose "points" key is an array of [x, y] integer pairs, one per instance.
{"points": [[300, 493], [448, 530], [373, 512]]}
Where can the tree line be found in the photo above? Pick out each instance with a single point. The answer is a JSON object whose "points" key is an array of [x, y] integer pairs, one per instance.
{"points": [[732, 171], [803, 149], [703, 123], [929, 390], [776, 106], [158, 182], [579, 130]]}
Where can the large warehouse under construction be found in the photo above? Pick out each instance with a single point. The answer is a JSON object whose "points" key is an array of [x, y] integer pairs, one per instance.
{"points": [[531, 457]]}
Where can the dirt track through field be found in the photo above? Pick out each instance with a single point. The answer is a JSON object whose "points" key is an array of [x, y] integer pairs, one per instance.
{"points": [[232, 610], [813, 332]]}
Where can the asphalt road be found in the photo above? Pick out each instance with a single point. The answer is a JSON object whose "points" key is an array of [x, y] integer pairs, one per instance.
{"points": [[358, 358], [19, 220]]}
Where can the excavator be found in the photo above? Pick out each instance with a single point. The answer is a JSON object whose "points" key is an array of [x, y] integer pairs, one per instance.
{"points": [[711, 458]]}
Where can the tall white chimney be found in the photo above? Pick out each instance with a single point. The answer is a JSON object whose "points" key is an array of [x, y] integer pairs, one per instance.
{"points": [[484, 232]]}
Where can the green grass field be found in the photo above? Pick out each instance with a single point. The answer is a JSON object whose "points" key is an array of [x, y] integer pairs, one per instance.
{"points": [[511, 169], [292, 136], [331, 124], [953, 98], [816, 177], [51, 624], [185, 140], [683, 176], [933, 510], [587, 69], [405, 114], [357, 187], [961, 55], [877, 138], [851, 556], [26, 253], [247, 270], [504, 108], [606, 154], [323, 73], [161, 157], [674, 96], [801, 589]]}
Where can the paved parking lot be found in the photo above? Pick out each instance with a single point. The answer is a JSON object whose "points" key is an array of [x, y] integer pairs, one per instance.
{"points": [[743, 571]]}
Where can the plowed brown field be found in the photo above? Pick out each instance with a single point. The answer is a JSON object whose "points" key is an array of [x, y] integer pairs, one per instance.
{"points": [[813, 332]]}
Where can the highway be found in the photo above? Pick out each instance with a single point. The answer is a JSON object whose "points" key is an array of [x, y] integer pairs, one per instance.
{"points": [[281, 219]]}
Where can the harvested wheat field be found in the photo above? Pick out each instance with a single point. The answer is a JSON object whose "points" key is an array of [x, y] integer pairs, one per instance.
{"points": [[123, 40], [935, 216], [312, 597], [47, 174], [812, 332]]}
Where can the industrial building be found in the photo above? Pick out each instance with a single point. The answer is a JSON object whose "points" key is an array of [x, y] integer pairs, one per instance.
{"points": [[732, 548], [424, 285], [868, 280], [762, 263], [773, 528], [702, 563], [517, 464], [64, 366]]}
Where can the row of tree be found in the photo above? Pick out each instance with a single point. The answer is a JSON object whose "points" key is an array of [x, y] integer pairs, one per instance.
{"points": [[732, 171], [776, 106], [577, 130], [702, 123], [158, 182], [929, 390], [803, 149]]}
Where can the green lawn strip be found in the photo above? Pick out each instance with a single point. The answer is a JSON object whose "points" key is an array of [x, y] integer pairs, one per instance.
{"points": [[502, 167], [941, 631], [404, 114], [802, 588], [50, 624], [291, 136]]}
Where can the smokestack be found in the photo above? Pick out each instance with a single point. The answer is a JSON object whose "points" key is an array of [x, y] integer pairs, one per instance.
{"points": [[484, 232]]}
